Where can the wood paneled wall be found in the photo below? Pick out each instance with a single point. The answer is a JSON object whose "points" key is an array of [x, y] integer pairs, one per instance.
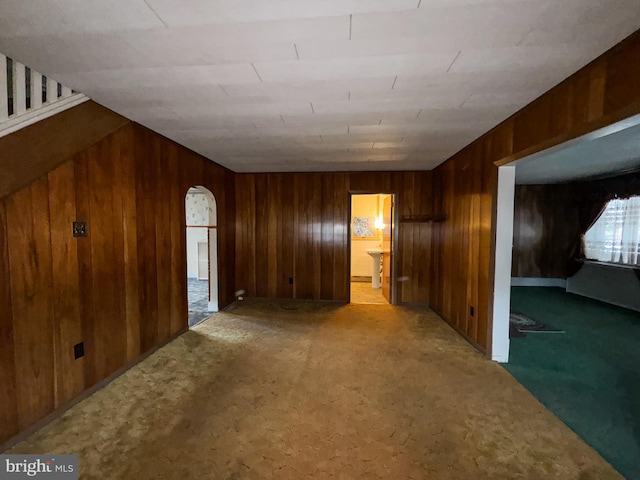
{"points": [[122, 290], [605, 91], [297, 225], [545, 228], [35, 150]]}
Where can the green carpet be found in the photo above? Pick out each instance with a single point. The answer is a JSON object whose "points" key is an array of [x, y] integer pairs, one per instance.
{"points": [[588, 377]]}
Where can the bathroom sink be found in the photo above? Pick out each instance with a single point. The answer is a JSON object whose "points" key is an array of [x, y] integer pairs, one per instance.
{"points": [[376, 255]]}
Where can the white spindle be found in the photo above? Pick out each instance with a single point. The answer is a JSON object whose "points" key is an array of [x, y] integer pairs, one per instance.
{"points": [[19, 89], [4, 92], [38, 110], [52, 90], [36, 89]]}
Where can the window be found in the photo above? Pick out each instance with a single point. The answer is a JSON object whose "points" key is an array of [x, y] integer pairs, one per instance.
{"points": [[615, 236]]}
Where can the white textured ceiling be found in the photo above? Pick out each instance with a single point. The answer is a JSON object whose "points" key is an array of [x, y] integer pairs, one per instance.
{"points": [[314, 85]]}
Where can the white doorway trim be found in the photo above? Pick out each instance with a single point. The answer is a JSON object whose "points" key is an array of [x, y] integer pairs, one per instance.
{"points": [[503, 253], [205, 219]]}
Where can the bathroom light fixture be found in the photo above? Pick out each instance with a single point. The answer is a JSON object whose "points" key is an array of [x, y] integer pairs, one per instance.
{"points": [[378, 223]]}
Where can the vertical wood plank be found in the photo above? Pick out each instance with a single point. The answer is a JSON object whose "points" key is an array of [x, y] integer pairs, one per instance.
{"points": [[8, 393], [29, 244], [163, 241], [66, 288], [85, 274], [104, 227], [261, 236], [178, 283], [274, 236], [146, 200], [127, 173]]}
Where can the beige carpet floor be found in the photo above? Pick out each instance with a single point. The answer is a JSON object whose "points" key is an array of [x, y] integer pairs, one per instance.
{"points": [[303, 390], [362, 292]]}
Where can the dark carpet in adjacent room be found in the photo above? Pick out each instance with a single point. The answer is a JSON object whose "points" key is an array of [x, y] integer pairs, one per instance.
{"points": [[590, 376]]}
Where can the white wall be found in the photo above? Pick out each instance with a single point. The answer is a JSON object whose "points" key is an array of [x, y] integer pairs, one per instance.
{"points": [[194, 235], [198, 210]]}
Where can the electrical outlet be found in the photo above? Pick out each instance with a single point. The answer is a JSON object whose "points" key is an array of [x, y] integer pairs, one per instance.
{"points": [[79, 229], [290, 280], [78, 350], [472, 311]]}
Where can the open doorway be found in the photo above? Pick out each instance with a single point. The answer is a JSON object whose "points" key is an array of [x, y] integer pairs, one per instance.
{"points": [[574, 321], [202, 254], [371, 237]]}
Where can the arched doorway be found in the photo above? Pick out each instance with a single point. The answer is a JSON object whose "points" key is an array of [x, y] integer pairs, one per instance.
{"points": [[202, 254]]}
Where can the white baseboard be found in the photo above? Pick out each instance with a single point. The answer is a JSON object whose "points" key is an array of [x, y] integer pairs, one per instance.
{"points": [[538, 282]]}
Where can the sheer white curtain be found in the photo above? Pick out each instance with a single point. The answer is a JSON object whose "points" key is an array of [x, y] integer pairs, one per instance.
{"points": [[615, 237]]}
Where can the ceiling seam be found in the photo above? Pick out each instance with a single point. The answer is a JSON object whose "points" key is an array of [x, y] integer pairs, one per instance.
{"points": [[256, 70], [155, 13], [454, 61]]}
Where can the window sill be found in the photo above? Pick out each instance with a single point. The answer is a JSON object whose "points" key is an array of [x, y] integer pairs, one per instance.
{"points": [[611, 264]]}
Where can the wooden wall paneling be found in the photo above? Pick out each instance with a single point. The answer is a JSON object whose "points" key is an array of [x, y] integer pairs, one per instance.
{"points": [[66, 292], [405, 286], [163, 236], [448, 274], [424, 238], [473, 266], [29, 244], [262, 199], [341, 215], [274, 234], [146, 247], [85, 274], [484, 312], [8, 393], [226, 237], [109, 329], [177, 239], [245, 233], [315, 232], [302, 281], [118, 155], [532, 125], [327, 250], [623, 75], [288, 243], [34, 151], [435, 281], [126, 170], [461, 243]]}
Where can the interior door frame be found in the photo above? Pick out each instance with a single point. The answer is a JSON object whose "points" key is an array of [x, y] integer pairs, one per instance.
{"points": [[394, 241]]}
